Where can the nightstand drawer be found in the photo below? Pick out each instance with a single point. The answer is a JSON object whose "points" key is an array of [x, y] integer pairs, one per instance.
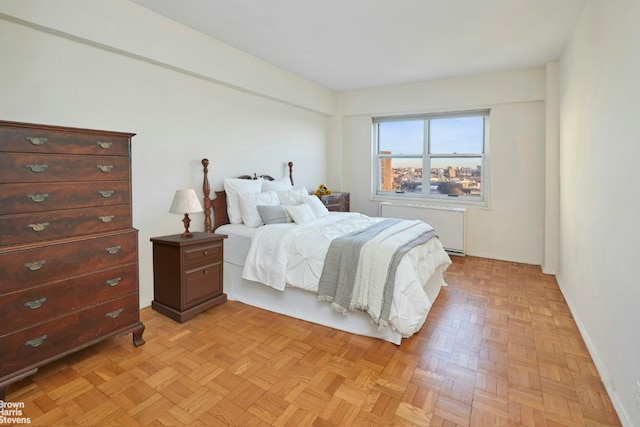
{"points": [[202, 253], [201, 284]]}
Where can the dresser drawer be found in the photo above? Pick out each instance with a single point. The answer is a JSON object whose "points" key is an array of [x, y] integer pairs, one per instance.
{"points": [[41, 226], [38, 343], [51, 168], [202, 253], [23, 198], [47, 263], [49, 139], [22, 309], [201, 284], [108, 317]]}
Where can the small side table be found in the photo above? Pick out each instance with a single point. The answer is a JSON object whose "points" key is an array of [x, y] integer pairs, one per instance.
{"points": [[337, 201], [187, 274]]}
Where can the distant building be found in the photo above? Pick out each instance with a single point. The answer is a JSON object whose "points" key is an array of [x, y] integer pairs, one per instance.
{"points": [[386, 173]]}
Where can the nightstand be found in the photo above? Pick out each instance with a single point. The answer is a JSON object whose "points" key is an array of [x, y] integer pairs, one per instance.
{"points": [[336, 201], [187, 274]]}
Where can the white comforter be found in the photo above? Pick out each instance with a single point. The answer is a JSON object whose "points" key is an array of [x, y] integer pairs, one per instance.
{"points": [[290, 254]]}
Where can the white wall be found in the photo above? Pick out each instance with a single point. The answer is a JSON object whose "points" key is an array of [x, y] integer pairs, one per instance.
{"points": [[599, 163], [186, 97], [512, 226]]}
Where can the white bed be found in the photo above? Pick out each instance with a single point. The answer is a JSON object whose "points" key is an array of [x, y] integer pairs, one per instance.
{"points": [[411, 303]]}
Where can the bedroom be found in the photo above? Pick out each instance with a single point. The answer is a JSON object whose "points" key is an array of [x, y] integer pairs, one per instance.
{"points": [[59, 69]]}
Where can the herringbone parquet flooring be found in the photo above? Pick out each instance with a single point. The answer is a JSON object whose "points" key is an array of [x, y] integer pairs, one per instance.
{"points": [[499, 348]]}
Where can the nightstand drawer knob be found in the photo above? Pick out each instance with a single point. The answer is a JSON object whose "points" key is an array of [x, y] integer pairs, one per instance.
{"points": [[113, 282], [205, 253], [205, 271], [106, 218], [36, 341], [35, 303], [114, 314]]}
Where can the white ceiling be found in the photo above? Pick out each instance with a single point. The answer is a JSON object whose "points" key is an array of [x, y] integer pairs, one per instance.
{"points": [[352, 44]]}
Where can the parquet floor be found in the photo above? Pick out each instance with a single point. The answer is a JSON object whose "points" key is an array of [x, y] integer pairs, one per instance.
{"points": [[499, 348]]}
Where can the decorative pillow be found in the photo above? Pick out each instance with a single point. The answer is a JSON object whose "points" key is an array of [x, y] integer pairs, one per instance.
{"points": [[233, 187], [282, 184], [292, 197], [274, 214], [249, 206], [300, 213], [316, 205]]}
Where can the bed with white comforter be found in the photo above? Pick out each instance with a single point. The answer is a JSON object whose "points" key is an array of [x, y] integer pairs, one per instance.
{"points": [[277, 245], [284, 256]]}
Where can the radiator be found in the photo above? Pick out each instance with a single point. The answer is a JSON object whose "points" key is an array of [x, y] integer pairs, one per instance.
{"points": [[447, 221]]}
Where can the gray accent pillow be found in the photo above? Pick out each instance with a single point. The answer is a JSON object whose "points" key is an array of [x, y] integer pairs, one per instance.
{"points": [[273, 214]]}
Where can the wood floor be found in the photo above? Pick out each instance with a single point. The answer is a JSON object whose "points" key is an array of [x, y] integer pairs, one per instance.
{"points": [[499, 348]]}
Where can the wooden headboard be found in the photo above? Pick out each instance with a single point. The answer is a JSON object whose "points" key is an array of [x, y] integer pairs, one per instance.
{"points": [[219, 203]]}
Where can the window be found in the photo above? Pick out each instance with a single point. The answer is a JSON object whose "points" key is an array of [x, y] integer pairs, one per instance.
{"points": [[433, 156]]}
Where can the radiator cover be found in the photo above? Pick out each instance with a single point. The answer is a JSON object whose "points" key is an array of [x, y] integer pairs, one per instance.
{"points": [[449, 222]]}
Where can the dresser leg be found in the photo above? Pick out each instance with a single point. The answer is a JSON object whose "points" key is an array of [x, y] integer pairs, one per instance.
{"points": [[137, 335]]}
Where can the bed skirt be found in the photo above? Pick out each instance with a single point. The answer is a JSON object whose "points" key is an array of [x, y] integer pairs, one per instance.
{"points": [[304, 305]]}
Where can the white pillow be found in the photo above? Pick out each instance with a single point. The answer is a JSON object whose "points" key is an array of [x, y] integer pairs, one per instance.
{"points": [[300, 213], [316, 205], [282, 184], [233, 187], [292, 197], [249, 206]]}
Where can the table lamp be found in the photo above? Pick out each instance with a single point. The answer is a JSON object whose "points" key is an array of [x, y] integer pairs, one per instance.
{"points": [[185, 202]]}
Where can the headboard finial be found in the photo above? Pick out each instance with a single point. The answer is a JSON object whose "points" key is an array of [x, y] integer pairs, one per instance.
{"points": [[290, 164], [207, 201]]}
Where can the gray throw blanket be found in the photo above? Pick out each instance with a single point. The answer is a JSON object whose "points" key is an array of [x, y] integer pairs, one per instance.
{"points": [[339, 279]]}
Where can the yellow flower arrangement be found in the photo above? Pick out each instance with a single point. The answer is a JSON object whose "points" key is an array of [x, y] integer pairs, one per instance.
{"points": [[322, 190]]}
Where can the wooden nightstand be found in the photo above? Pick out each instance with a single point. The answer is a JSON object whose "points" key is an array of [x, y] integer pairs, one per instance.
{"points": [[336, 201], [187, 274]]}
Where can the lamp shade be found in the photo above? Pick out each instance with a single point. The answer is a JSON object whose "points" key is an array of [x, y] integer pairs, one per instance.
{"points": [[185, 201]]}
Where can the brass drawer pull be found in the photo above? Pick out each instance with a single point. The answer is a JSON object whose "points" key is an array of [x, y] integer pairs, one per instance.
{"points": [[37, 168], [113, 249], [205, 272], [35, 140], [36, 341], [38, 227], [38, 197], [106, 193], [114, 314], [36, 303], [104, 145], [105, 168], [36, 265], [106, 218], [205, 253], [113, 282]]}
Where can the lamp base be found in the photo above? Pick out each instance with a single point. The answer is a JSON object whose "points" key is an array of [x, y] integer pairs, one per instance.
{"points": [[186, 221]]}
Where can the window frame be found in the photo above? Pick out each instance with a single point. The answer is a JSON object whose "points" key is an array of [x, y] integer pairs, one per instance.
{"points": [[426, 160]]}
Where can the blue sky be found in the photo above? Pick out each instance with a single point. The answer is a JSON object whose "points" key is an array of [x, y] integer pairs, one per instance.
{"points": [[459, 135]]}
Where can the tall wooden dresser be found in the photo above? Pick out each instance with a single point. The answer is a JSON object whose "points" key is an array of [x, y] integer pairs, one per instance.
{"points": [[68, 252]]}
